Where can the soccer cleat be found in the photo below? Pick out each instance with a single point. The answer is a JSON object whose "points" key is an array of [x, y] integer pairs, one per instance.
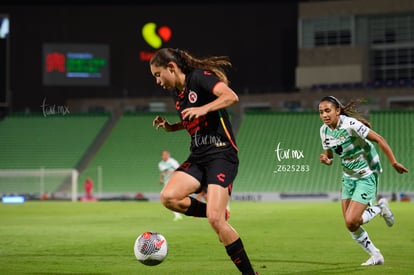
{"points": [[177, 218], [386, 212], [376, 259]]}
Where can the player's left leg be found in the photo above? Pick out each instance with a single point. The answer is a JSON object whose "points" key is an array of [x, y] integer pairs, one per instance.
{"points": [[369, 186], [386, 212]]}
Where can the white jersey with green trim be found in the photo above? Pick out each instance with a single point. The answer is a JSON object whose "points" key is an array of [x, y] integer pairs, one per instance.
{"points": [[167, 167], [348, 140]]}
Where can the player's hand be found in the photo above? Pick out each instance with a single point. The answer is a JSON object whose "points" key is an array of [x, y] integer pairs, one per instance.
{"points": [[400, 168], [161, 122], [324, 159], [193, 113]]}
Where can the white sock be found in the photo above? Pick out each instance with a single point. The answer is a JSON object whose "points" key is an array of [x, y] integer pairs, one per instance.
{"points": [[362, 238], [370, 213], [177, 214]]}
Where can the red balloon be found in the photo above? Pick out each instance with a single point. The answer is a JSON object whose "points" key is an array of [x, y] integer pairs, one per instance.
{"points": [[165, 33]]}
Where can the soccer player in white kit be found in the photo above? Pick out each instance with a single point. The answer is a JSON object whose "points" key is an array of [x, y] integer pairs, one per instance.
{"points": [[350, 136], [167, 166]]}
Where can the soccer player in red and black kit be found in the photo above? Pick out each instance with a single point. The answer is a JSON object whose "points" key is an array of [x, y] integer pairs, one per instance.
{"points": [[201, 94]]}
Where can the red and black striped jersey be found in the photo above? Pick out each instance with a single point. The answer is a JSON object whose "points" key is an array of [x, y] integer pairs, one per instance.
{"points": [[212, 132]]}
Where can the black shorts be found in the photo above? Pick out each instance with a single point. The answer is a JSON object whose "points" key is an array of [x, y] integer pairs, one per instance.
{"points": [[219, 168]]}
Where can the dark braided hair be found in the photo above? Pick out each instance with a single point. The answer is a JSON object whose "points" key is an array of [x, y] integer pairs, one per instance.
{"points": [[348, 109], [187, 63]]}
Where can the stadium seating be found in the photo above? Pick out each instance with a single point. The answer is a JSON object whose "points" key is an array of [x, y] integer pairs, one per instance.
{"points": [[397, 128], [279, 152], [36, 141], [260, 169], [130, 155]]}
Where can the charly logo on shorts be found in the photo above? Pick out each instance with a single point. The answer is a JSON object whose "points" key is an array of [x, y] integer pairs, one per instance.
{"points": [[192, 97]]}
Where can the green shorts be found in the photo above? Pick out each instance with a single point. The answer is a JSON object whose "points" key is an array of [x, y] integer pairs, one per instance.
{"points": [[363, 190]]}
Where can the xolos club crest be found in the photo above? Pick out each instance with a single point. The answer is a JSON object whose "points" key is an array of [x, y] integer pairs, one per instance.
{"points": [[192, 96]]}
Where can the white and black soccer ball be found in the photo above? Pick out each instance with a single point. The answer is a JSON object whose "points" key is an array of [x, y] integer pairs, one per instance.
{"points": [[151, 248]]}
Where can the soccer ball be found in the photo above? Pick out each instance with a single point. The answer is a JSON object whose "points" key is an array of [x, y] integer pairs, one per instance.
{"points": [[151, 248]]}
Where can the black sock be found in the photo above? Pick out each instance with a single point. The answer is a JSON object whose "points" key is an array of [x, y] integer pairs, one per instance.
{"points": [[239, 257], [196, 209]]}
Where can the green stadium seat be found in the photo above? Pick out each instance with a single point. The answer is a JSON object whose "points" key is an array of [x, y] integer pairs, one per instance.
{"points": [[36, 141]]}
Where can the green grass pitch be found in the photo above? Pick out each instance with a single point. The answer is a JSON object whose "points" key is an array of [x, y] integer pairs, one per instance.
{"points": [[280, 238]]}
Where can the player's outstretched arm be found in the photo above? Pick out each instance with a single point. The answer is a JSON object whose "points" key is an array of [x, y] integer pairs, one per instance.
{"points": [[385, 147], [161, 122]]}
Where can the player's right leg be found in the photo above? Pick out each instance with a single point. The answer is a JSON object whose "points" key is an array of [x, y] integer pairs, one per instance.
{"points": [[218, 197], [356, 197], [175, 195], [352, 213]]}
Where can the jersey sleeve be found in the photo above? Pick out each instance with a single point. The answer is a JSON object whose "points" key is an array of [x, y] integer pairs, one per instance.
{"points": [[358, 127], [206, 79]]}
